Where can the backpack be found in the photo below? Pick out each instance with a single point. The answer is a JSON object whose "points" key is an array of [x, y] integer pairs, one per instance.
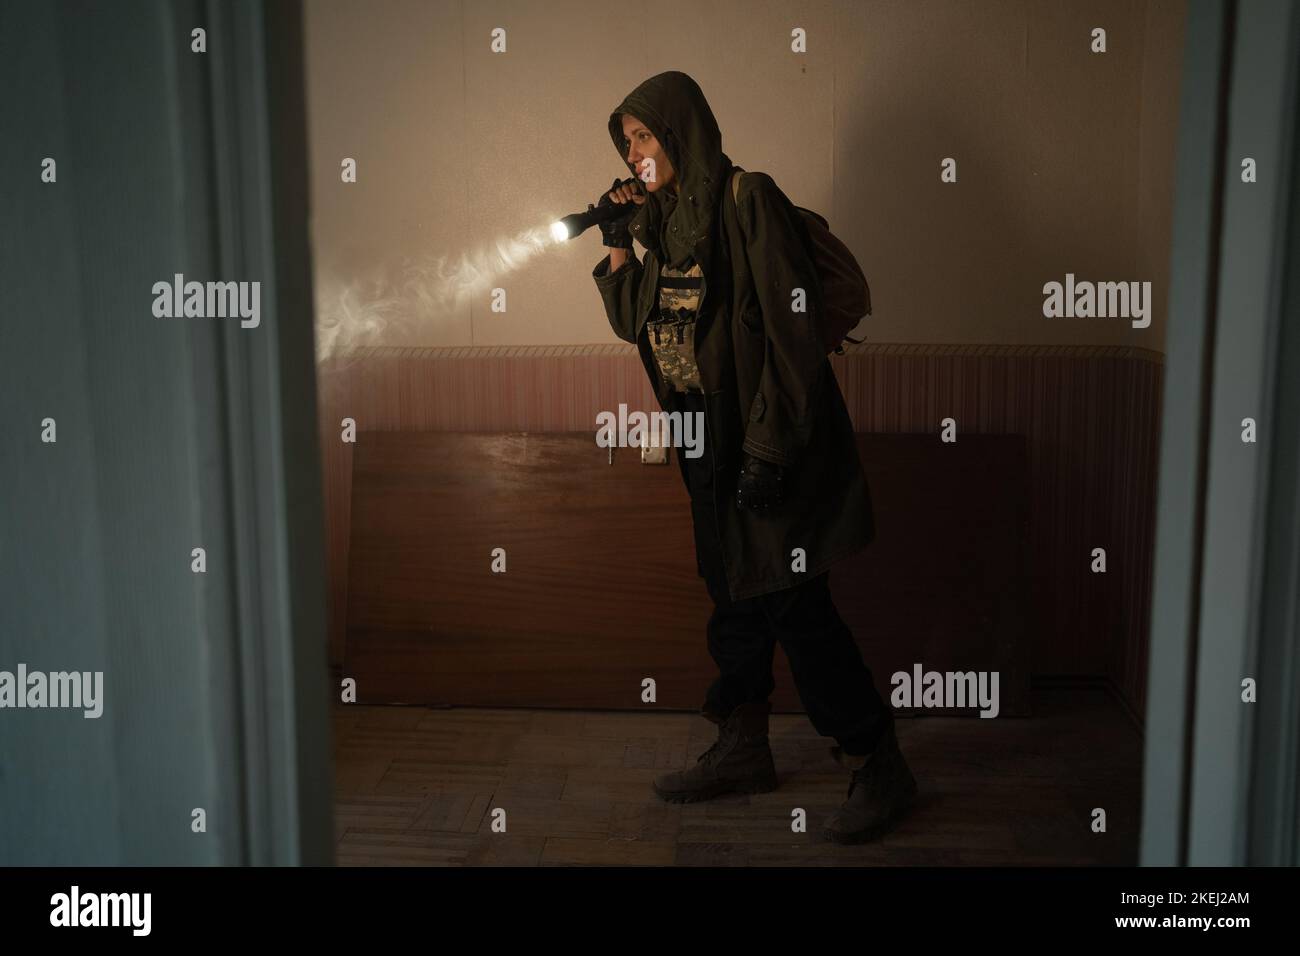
{"points": [[846, 297]]}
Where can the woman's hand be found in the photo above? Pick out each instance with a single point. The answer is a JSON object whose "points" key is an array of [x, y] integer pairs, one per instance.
{"points": [[759, 486], [628, 192], [615, 233]]}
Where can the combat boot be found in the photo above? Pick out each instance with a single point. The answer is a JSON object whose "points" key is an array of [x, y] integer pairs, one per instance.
{"points": [[740, 760], [880, 789]]}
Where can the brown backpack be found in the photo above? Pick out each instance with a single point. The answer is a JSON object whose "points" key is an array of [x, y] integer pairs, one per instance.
{"points": [[846, 297]]}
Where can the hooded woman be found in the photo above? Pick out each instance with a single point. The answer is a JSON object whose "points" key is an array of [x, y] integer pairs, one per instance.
{"points": [[778, 494]]}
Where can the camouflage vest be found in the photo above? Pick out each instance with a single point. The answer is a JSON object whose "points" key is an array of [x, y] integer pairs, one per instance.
{"points": [[672, 331]]}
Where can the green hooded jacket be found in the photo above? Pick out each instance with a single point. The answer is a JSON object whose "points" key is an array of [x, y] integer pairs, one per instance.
{"points": [[769, 388]]}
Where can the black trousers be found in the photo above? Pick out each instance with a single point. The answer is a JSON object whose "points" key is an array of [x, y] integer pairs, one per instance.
{"points": [[834, 683]]}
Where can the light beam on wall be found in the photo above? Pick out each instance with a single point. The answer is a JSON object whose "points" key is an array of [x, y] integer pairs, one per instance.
{"points": [[407, 302]]}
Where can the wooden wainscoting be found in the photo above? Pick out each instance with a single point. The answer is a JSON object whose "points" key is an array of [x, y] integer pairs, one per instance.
{"points": [[1091, 416]]}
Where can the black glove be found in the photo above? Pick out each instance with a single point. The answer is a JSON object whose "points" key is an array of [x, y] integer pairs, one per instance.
{"points": [[615, 233], [759, 487]]}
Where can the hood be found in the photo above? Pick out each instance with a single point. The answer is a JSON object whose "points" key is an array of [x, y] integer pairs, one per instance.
{"points": [[672, 106]]}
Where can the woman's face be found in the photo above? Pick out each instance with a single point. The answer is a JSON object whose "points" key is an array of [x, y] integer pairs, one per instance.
{"points": [[642, 146]]}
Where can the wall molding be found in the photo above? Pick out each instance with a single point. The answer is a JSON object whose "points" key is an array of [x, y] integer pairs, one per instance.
{"points": [[600, 349]]}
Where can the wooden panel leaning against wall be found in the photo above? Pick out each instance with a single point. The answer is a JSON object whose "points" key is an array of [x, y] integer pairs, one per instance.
{"points": [[1090, 416]]}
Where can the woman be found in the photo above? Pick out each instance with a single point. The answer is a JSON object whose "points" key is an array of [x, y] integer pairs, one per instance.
{"points": [[779, 494]]}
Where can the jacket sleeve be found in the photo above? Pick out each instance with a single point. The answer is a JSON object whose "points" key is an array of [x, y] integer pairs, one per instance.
{"points": [[620, 292], [794, 365]]}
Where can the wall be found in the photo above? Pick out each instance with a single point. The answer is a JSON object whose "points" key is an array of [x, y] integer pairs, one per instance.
{"points": [[1064, 156], [169, 435]]}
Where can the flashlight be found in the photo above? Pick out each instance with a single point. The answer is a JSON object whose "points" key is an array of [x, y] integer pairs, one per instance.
{"points": [[575, 224]]}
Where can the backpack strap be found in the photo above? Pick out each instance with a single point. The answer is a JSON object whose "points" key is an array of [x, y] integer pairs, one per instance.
{"points": [[735, 195], [735, 213]]}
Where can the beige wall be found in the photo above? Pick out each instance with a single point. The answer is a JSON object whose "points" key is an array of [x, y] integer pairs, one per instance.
{"points": [[1065, 157]]}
